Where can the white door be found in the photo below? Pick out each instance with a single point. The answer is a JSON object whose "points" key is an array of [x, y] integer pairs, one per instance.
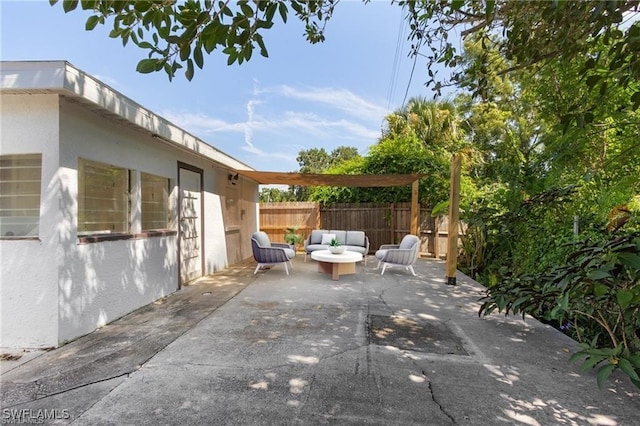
{"points": [[190, 225]]}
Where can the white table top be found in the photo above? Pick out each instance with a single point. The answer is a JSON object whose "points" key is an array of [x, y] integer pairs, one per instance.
{"points": [[327, 256]]}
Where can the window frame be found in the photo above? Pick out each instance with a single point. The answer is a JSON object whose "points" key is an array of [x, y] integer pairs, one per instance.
{"points": [[133, 203], [14, 201]]}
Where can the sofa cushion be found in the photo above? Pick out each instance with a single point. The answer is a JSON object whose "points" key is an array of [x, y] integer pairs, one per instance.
{"points": [[355, 238], [357, 249], [314, 247], [341, 236], [380, 254], [316, 236], [326, 238], [290, 253]]}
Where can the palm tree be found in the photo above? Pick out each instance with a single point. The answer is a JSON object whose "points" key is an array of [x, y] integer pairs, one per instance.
{"points": [[434, 122]]}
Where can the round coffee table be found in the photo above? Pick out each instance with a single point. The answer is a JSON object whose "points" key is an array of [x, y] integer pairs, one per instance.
{"points": [[336, 264]]}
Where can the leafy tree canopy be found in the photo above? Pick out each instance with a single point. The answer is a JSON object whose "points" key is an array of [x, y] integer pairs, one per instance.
{"points": [[529, 35], [179, 34]]}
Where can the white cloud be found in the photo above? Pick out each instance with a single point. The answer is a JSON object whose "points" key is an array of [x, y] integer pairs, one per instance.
{"points": [[340, 99], [200, 122], [275, 130]]}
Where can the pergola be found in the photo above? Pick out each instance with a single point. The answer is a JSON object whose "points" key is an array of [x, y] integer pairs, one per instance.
{"points": [[361, 181], [367, 181]]}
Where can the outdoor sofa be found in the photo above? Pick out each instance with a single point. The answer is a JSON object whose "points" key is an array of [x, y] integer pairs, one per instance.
{"points": [[352, 241]]}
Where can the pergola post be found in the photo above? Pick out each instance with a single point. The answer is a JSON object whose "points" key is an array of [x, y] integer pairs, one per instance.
{"points": [[454, 219], [415, 211]]}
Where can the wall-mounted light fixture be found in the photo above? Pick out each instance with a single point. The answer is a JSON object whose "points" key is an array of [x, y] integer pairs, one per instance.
{"points": [[233, 179]]}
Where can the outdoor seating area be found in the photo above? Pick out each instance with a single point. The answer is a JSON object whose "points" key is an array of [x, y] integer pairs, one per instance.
{"points": [[354, 241], [354, 248]]}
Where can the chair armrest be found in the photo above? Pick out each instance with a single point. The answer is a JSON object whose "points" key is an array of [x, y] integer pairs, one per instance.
{"points": [[400, 256], [272, 255], [366, 244], [280, 245], [389, 246]]}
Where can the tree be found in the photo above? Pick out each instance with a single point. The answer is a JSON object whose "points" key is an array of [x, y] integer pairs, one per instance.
{"points": [[317, 160], [399, 151], [434, 122], [530, 35], [275, 195], [179, 34]]}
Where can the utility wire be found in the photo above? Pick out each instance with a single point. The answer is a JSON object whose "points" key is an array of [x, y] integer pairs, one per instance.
{"points": [[413, 68], [396, 62]]}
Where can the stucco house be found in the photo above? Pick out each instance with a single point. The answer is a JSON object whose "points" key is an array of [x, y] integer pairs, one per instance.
{"points": [[104, 205]]}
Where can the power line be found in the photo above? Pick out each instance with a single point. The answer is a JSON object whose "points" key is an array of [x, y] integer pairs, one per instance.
{"points": [[413, 68], [396, 62]]}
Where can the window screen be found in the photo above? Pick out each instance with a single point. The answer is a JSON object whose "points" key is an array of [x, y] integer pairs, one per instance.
{"points": [[20, 194], [103, 198], [155, 202]]}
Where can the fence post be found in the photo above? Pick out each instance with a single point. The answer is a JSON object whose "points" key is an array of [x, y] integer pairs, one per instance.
{"points": [[454, 215], [415, 213], [393, 223]]}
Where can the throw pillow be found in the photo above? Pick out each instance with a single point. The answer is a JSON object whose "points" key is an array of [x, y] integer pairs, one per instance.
{"points": [[326, 238]]}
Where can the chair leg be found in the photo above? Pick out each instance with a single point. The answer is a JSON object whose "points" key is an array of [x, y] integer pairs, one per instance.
{"points": [[410, 267], [379, 263], [383, 268], [257, 267], [285, 268]]}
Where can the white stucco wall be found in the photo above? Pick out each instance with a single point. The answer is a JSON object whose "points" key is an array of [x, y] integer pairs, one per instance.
{"points": [[215, 246], [28, 275], [102, 281], [56, 288]]}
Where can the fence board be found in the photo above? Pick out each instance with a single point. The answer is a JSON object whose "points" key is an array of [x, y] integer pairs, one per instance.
{"points": [[382, 223]]}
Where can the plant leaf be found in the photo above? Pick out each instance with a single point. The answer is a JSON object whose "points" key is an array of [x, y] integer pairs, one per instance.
{"points": [[628, 369], [604, 372], [624, 297]]}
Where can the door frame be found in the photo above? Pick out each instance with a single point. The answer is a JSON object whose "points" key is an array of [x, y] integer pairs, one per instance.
{"points": [[199, 171]]}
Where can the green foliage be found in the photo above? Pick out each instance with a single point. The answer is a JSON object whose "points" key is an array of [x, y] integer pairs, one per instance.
{"points": [[401, 154], [420, 138], [275, 195], [177, 35], [291, 235], [317, 160], [530, 35], [594, 295]]}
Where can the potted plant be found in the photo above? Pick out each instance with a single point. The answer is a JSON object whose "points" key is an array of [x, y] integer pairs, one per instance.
{"points": [[292, 237], [335, 247]]}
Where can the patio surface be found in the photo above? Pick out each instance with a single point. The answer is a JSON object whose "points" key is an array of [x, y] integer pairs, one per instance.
{"points": [[234, 348]]}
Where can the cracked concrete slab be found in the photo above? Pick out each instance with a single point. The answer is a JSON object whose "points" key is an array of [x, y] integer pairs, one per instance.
{"points": [[276, 349], [411, 335]]}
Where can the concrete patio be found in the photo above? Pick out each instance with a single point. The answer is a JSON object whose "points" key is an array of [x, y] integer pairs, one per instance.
{"points": [[235, 348]]}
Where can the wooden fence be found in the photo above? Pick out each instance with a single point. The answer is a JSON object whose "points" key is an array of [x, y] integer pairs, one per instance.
{"points": [[382, 223]]}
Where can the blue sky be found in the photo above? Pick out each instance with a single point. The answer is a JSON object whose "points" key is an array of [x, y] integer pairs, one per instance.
{"points": [[265, 111]]}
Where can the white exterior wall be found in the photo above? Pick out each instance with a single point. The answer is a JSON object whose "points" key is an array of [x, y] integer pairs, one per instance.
{"points": [[28, 276], [54, 288], [102, 281], [215, 242]]}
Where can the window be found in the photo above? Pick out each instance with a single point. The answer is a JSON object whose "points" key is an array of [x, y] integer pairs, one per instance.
{"points": [[20, 195], [103, 198], [155, 202]]}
